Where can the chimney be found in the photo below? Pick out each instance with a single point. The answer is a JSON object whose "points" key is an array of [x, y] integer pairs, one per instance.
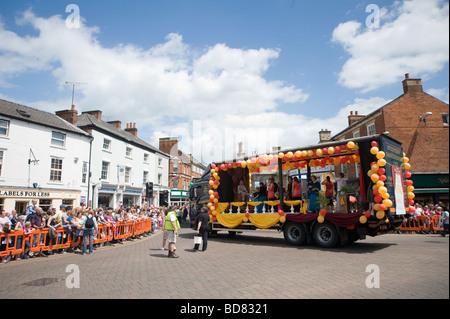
{"points": [[97, 114], [70, 116], [411, 86], [352, 118], [324, 136], [131, 128], [117, 124], [169, 145]]}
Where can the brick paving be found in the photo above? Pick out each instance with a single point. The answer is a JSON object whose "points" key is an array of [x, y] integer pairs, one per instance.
{"points": [[259, 265]]}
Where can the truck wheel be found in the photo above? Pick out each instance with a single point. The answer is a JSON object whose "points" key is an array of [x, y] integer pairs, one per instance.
{"points": [[325, 235], [295, 234]]}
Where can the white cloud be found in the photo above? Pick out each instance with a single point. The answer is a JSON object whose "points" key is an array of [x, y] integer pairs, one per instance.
{"points": [[212, 98], [216, 138], [168, 79], [414, 38]]}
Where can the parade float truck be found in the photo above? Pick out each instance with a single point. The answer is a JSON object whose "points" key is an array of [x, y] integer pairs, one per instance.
{"points": [[380, 196]]}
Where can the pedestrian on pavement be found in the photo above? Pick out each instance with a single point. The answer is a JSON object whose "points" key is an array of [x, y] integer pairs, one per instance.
{"points": [[445, 221], [202, 228], [89, 226], [171, 227]]}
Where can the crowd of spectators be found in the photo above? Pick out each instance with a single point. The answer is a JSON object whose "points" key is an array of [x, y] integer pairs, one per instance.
{"points": [[72, 220]]}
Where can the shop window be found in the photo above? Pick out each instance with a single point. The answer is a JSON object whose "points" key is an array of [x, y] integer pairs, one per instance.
{"points": [[58, 139], [45, 204], [2, 204], [68, 203], [56, 169]]}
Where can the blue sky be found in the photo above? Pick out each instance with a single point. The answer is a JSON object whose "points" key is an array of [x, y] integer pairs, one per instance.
{"points": [[268, 73]]}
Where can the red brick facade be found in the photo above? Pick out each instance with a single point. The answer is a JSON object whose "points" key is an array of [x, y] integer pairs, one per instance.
{"points": [[425, 139]]}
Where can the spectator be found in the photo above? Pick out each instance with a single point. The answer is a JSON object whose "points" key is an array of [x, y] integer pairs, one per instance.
{"points": [[202, 228], [445, 220], [89, 226]]}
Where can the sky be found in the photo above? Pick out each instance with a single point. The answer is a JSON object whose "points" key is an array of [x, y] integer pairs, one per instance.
{"points": [[265, 73]]}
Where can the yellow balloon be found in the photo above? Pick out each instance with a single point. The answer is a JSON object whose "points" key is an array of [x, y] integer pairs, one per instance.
{"points": [[411, 195], [405, 159], [375, 168], [363, 219], [319, 152], [387, 203], [351, 144], [283, 219], [385, 195], [310, 153], [376, 206], [381, 155], [280, 155], [304, 153], [381, 162], [320, 219], [407, 166], [382, 190], [380, 183], [380, 214], [290, 154], [374, 150], [410, 188], [331, 150], [298, 154]]}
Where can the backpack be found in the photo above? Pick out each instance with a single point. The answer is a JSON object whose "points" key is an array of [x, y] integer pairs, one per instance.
{"points": [[89, 222]]}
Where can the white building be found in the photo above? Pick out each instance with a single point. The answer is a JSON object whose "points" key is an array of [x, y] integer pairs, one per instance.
{"points": [[42, 158], [121, 163]]}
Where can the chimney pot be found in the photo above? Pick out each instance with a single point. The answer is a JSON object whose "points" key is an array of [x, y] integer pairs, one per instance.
{"points": [[406, 75]]}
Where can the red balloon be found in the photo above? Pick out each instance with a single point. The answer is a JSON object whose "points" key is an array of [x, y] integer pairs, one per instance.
{"points": [[376, 192], [323, 212], [381, 171], [409, 182], [382, 178], [247, 215], [374, 144], [367, 214], [383, 207], [337, 150], [281, 212], [408, 174], [378, 199], [213, 165]]}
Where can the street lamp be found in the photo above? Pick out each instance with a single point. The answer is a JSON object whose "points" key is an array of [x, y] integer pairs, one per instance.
{"points": [[422, 118]]}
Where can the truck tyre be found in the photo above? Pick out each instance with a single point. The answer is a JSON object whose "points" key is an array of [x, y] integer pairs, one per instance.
{"points": [[325, 235], [295, 234]]}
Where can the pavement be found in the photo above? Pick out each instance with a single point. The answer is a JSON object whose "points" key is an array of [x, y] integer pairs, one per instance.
{"points": [[252, 266]]}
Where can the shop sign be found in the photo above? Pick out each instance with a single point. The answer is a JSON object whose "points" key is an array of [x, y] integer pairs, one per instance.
{"points": [[20, 193]]}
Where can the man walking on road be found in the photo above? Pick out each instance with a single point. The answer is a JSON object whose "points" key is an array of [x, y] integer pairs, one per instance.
{"points": [[171, 227]]}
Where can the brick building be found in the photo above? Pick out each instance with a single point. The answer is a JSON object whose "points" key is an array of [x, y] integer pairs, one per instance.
{"points": [[182, 169], [420, 121]]}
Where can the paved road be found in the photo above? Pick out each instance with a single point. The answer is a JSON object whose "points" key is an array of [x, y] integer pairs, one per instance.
{"points": [[242, 267]]}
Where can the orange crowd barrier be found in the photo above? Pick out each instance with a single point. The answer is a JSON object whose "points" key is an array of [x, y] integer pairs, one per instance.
{"points": [[13, 243], [421, 223]]}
